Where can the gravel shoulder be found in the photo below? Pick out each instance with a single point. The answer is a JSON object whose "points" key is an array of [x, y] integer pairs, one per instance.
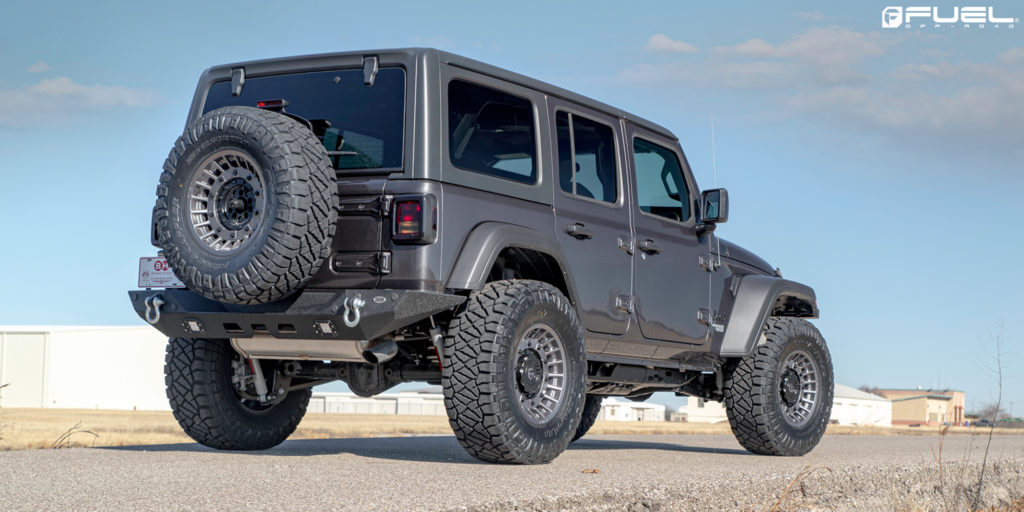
{"points": [[602, 472]]}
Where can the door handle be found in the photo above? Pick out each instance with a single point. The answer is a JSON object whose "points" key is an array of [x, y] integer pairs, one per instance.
{"points": [[649, 246], [579, 231]]}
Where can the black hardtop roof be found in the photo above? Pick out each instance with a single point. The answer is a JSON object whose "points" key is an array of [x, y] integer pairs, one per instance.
{"points": [[311, 61]]}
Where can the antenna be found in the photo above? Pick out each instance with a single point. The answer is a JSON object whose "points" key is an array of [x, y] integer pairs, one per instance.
{"points": [[714, 167], [714, 162]]}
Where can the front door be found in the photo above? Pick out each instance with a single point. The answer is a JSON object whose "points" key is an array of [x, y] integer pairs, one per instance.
{"points": [[671, 287], [591, 217]]}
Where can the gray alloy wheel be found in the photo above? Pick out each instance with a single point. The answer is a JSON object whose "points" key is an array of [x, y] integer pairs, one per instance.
{"points": [[540, 374], [226, 200], [798, 388]]}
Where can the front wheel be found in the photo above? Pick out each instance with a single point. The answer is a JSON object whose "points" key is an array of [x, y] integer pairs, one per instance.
{"points": [[211, 391], [591, 408], [514, 373], [779, 398]]}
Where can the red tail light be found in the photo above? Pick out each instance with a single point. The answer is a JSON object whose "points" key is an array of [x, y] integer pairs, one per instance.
{"points": [[410, 218], [414, 219]]}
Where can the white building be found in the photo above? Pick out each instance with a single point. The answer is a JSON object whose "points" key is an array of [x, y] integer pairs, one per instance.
{"points": [[850, 406], [699, 410], [614, 409], [854, 407], [99, 367], [103, 367], [422, 403], [91, 367]]}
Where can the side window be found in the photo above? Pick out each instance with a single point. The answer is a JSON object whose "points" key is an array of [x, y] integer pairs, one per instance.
{"points": [[586, 157], [492, 132], [660, 187]]}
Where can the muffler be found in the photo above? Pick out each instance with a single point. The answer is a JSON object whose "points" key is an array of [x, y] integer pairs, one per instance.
{"points": [[375, 351], [379, 350]]}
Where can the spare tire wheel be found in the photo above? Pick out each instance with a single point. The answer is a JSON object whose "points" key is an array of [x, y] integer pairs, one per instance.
{"points": [[247, 206]]}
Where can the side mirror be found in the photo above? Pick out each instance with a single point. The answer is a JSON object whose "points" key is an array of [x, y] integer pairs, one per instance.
{"points": [[714, 206]]}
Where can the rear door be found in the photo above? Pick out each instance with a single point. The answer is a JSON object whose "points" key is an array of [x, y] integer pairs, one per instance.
{"points": [[591, 216], [671, 288]]}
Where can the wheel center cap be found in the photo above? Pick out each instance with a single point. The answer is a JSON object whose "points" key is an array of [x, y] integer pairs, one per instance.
{"points": [[790, 387], [529, 372], [236, 204]]}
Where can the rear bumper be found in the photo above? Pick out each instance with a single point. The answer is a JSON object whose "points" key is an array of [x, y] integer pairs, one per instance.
{"points": [[312, 314]]}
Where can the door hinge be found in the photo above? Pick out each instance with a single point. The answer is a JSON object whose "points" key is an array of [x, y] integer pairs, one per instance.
{"points": [[376, 206], [709, 262], [624, 303], [377, 263], [715, 319], [626, 243]]}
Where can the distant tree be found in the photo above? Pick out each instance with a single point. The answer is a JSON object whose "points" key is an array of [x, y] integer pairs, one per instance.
{"points": [[997, 371], [874, 390], [993, 412]]}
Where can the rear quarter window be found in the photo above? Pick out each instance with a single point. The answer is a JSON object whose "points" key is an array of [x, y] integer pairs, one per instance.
{"points": [[491, 132]]}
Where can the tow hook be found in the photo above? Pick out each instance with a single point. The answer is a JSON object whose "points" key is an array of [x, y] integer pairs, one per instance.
{"points": [[153, 304], [351, 315]]}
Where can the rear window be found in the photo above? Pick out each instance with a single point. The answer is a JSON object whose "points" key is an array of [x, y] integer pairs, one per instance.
{"points": [[360, 126], [491, 132], [586, 157]]}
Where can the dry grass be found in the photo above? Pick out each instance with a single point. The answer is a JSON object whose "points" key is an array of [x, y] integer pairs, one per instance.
{"points": [[916, 431], [26, 429], [40, 428]]}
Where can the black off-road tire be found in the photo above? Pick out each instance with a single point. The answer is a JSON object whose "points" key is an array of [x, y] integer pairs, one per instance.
{"points": [[591, 408], [479, 375], [197, 373], [289, 217], [754, 391]]}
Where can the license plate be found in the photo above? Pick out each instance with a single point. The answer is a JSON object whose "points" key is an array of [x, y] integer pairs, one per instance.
{"points": [[156, 273]]}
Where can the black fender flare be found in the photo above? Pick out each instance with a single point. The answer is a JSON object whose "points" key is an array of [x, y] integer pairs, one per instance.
{"points": [[756, 298], [487, 240]]}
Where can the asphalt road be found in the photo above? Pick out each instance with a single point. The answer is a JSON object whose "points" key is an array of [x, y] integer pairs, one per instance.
{"points": [[660, 472]]}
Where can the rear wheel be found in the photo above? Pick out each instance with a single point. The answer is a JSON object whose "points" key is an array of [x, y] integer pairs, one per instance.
{"points": [[514, 373], [779, 398], [213, 395]]}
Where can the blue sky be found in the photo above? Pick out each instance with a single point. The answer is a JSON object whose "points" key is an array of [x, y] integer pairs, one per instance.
{"points": [[881, 166]]}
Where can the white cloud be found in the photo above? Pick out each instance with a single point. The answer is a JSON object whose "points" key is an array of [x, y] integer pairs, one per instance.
{"points": [[734, 75], [830, 53], [38, 67], [663, 43], [821, 55], [810, 15], [992, 109], [961, 105], [1012, 56], [61, 96], [844, 78]]}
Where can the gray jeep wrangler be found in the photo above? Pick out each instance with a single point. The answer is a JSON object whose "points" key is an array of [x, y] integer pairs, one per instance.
{"points": [[390, 216]]}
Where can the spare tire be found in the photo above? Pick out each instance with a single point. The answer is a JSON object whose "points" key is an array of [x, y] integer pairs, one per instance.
{"points": [[246, 206]]}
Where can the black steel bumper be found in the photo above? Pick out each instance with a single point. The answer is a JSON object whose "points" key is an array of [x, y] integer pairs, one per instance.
{"points": [[311, 314]]}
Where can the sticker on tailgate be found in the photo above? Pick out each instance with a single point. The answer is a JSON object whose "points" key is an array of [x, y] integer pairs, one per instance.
{"points": [[156, 273]]}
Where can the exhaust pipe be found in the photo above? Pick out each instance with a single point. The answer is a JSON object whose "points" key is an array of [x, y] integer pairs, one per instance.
{"points": [[379, 350]]}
